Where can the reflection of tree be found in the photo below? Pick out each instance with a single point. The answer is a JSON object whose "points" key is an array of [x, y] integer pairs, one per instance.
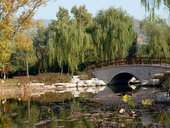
{"points": [[34, 113], [163, 118], [5, 122], [53, 97]]}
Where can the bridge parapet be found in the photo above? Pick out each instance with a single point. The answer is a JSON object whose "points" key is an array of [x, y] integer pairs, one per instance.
{"points": [[126, 61]]}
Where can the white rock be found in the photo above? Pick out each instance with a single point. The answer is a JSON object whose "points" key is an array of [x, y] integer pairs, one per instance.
{"points": [[75, 79], [60, 84], [50, 86], [145, 82], [101, 82], [133, 79], [88, 82], [81, 83], [37, 84], [133, 87], [150, 82], [71, 85], [95, 79]]}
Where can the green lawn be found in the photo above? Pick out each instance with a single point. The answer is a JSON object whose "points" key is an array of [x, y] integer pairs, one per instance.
{"points": [[11, 81]]}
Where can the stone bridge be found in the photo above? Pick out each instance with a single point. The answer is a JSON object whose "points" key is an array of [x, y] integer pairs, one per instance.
{"points": [[121, 74]]}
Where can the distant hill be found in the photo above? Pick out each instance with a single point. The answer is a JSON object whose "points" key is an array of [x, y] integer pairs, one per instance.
{"points": [[141, 37], [46, 22]]}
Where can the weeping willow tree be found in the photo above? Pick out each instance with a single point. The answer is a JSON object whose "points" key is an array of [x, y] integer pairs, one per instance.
{"points": [[151, 5], [40, 39], [114, 33], [156, 31], [71, 44], [68, 42]]}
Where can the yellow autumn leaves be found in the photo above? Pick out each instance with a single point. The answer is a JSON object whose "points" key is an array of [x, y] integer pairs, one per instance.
{"points": [[14, 28]]}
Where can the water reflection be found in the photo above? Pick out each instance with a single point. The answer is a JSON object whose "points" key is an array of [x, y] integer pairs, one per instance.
{"points": [[77, 108]]}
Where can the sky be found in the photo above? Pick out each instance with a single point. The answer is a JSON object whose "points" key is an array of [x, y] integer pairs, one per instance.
{"points": [[132, 7]]}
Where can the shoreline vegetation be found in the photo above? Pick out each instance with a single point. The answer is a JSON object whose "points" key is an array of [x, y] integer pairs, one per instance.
{"points": [[57, 82]]}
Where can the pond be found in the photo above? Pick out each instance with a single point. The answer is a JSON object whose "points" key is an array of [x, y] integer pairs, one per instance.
{"points": [[92, 107]]}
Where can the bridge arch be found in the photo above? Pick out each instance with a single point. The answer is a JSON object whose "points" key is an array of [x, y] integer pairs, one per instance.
{"points": [[140, 71], [122, 78]]}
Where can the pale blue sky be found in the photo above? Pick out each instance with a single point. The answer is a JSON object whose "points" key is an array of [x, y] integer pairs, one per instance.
{"points": [[132, 7]]}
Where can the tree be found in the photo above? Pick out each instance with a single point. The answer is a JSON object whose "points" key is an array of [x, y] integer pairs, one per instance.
{"points": [[13, 27], [132, 52], [151, 5], [40, 39], [156, 31], [114, 33], [69, 41], [63, 14], [21, 58], [5, 53], [82, 16], [10, 24]]}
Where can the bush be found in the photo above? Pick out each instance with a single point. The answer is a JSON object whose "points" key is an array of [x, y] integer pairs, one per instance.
{"points": [[165, 81]]}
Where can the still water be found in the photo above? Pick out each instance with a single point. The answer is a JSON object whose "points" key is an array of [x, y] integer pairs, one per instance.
{"points": [[93, 107]]}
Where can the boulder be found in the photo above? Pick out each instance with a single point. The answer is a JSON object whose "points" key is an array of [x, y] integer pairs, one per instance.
{"points": [[75, 79]]}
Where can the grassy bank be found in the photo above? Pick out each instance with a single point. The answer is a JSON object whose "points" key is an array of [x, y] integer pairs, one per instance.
{"points": [[10, 82], [51, 78], [47, 78]]}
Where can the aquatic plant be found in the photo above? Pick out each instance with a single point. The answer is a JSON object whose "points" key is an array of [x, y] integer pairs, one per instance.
{"points": [[165, 81], [5, 122], [146, 102]]}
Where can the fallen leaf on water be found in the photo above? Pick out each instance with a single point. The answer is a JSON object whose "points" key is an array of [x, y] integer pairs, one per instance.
{"points": [[3, 102], [2, 81], [122, 110]]}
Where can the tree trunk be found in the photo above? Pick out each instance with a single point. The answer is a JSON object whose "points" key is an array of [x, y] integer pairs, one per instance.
{"points": [[27, 68], [62, 68], [3, 72], [39, 71], [4, 75], [29, 109]]}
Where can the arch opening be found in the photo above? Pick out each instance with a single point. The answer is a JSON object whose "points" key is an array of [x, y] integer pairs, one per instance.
{"points": [[120, 82], [122, 79]]}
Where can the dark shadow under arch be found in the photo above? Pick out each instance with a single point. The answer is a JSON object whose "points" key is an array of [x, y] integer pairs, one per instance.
{"points": [[119, 83], [121, 79]]}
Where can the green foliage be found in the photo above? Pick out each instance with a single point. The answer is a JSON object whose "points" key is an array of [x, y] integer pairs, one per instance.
{"points": [[18, 59], [40, 40], [151, 4], [163, 118], [132, 52], [114, 33], [5, 121], [156, 31], [82, 16], [165, 81], [69, 41], [63, 14], [131, 104]]}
